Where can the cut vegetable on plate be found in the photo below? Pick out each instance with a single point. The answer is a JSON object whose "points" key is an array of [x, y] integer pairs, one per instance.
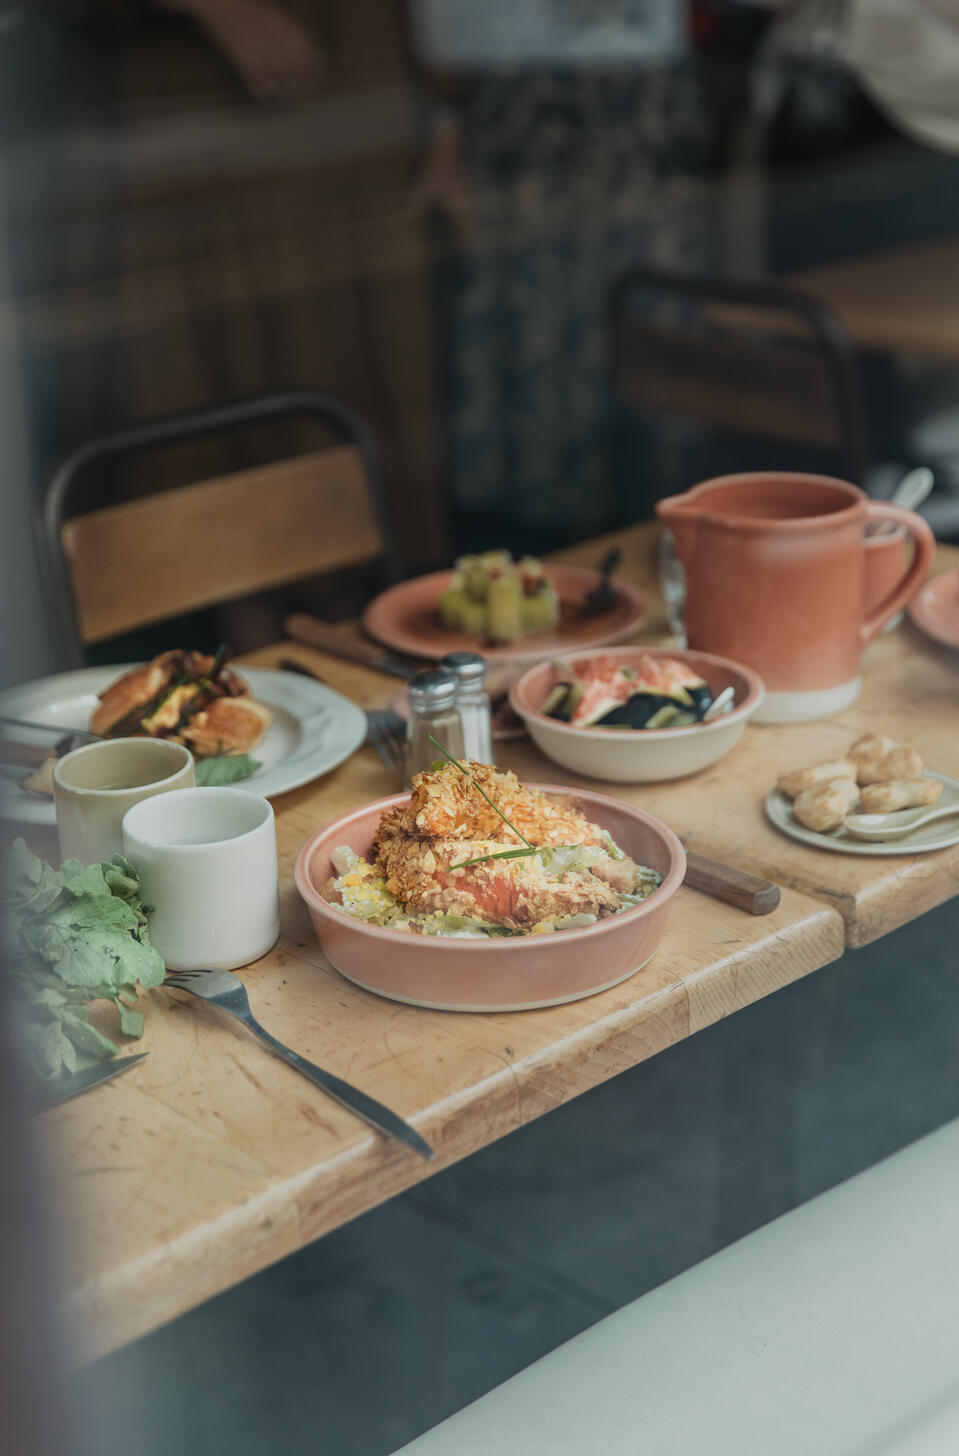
{"points": [[406, 618], [653, 692]]}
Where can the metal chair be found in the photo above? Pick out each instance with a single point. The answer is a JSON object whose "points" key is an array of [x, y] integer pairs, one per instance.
{"points": [[751, 356], [137, 563]]}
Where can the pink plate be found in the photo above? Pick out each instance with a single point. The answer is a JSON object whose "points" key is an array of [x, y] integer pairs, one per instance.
{"points": [[935, 610], [515, 974], [405, 618]]}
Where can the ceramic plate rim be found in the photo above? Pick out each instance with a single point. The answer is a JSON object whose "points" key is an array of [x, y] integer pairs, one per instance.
{"points": [[776, 806], [400, 642], [927, 624], [300, 767]]}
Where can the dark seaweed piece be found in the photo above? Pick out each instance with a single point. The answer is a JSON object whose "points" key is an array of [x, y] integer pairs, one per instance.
{"points": [[702, 699], [637, 711]]}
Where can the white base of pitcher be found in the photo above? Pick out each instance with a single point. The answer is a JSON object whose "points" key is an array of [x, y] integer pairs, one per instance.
{"points": [[802, 707]]}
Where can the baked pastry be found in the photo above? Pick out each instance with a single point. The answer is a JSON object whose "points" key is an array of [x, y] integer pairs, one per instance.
{"points": [[868, 750], [801, 779], [900, 794], [189, 697], [826, 805], [901, 762]]}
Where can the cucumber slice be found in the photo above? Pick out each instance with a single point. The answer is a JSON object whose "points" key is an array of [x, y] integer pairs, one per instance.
{"points": [[663, 717], [556, 702]]}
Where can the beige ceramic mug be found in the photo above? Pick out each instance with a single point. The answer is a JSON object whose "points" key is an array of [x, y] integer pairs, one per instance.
{"points": [[94, 786]]}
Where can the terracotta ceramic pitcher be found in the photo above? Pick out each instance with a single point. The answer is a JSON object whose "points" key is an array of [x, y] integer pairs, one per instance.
{"points": [[775, 567]]}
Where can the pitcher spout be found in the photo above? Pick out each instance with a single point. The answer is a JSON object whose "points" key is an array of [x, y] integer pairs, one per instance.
{"points": [[679, 514]]}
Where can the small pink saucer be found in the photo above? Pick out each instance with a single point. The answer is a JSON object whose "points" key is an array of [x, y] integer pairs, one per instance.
{"points": [[935, 610]]}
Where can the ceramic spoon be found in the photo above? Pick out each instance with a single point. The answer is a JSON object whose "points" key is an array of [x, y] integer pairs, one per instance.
{"points": [[913, 488], [895, 826], [720, 706]]}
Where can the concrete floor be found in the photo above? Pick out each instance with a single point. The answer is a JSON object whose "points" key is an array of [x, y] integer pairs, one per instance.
{"points": [[380, 1330]]}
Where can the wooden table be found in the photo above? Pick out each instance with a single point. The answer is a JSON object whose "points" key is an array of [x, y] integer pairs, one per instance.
{"points": [[211, 1159], [900, 301]]}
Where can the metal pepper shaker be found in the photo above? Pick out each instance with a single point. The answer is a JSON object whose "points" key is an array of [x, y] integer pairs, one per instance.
{"points": [[469, 671]]}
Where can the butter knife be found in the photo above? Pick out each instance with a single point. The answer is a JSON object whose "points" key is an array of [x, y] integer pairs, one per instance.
{"points": [[71, 1086]]}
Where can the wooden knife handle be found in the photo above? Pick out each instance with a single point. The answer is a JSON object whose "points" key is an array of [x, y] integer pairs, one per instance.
{"points": [[724, 882], [330, 638]]}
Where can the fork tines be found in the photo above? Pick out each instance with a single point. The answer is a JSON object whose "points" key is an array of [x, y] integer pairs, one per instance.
{"points": [[386, 731]]}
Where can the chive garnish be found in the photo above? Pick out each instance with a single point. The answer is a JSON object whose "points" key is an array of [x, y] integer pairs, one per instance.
{"points": [[466, 774]]}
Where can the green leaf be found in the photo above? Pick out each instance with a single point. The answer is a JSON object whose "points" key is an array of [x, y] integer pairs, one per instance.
{"points": [[230, 769], [29, 882], [87, 1039], [82, 879], [121, 878], [131, 1022], [506, 854], [74, 936], [57, 1051]]}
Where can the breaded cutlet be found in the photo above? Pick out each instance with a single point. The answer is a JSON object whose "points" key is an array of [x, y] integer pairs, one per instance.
{"points": [[447, 821], [517, 893], [445, 804]]}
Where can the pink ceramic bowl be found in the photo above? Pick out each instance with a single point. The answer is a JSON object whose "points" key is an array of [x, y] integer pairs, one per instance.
{"points": [[494, 975], [638, 755]]}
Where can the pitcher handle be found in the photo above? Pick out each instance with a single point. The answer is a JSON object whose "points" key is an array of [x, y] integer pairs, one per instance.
{"points": [[912, 580]]}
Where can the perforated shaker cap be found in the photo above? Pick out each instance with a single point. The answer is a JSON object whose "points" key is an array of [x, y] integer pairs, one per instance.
{"points": [[468, 668], [432, 690]]}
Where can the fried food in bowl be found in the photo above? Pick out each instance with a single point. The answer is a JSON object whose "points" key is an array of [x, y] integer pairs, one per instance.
{"points": [[402, 905]]}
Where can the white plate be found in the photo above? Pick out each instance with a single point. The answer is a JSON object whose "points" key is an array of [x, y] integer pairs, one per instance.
{"points": [[938, 835], [313, 729]]}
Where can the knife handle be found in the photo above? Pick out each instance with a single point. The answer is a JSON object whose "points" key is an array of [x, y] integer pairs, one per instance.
{"points": [[366, 1107], [736, 887], [329, 638]]}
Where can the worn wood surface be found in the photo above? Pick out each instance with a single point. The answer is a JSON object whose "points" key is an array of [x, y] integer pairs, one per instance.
{"points": [[211, 1158]]}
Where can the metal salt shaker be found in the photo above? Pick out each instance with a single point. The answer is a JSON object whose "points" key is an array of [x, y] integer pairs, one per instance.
{"points": [[433, 712], [469, 671]]}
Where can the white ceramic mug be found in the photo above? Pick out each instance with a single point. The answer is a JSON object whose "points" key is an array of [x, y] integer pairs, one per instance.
{"points": [[94, 786], [207, 863]]}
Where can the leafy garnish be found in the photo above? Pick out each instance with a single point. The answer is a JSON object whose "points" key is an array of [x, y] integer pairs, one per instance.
{"points": [[506, 854], [228, 769], [73, 936], [486, 796]]}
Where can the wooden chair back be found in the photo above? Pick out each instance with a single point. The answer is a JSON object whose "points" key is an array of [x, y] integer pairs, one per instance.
{"points": [[749, 356], [143, 561]]}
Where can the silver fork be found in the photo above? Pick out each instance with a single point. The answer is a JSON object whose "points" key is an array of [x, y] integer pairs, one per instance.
{"points": [[227, 992], [386, 730]]}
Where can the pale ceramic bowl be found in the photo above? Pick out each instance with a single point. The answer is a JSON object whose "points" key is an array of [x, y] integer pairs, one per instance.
{"points": [[638, 755], [514, 974]]}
